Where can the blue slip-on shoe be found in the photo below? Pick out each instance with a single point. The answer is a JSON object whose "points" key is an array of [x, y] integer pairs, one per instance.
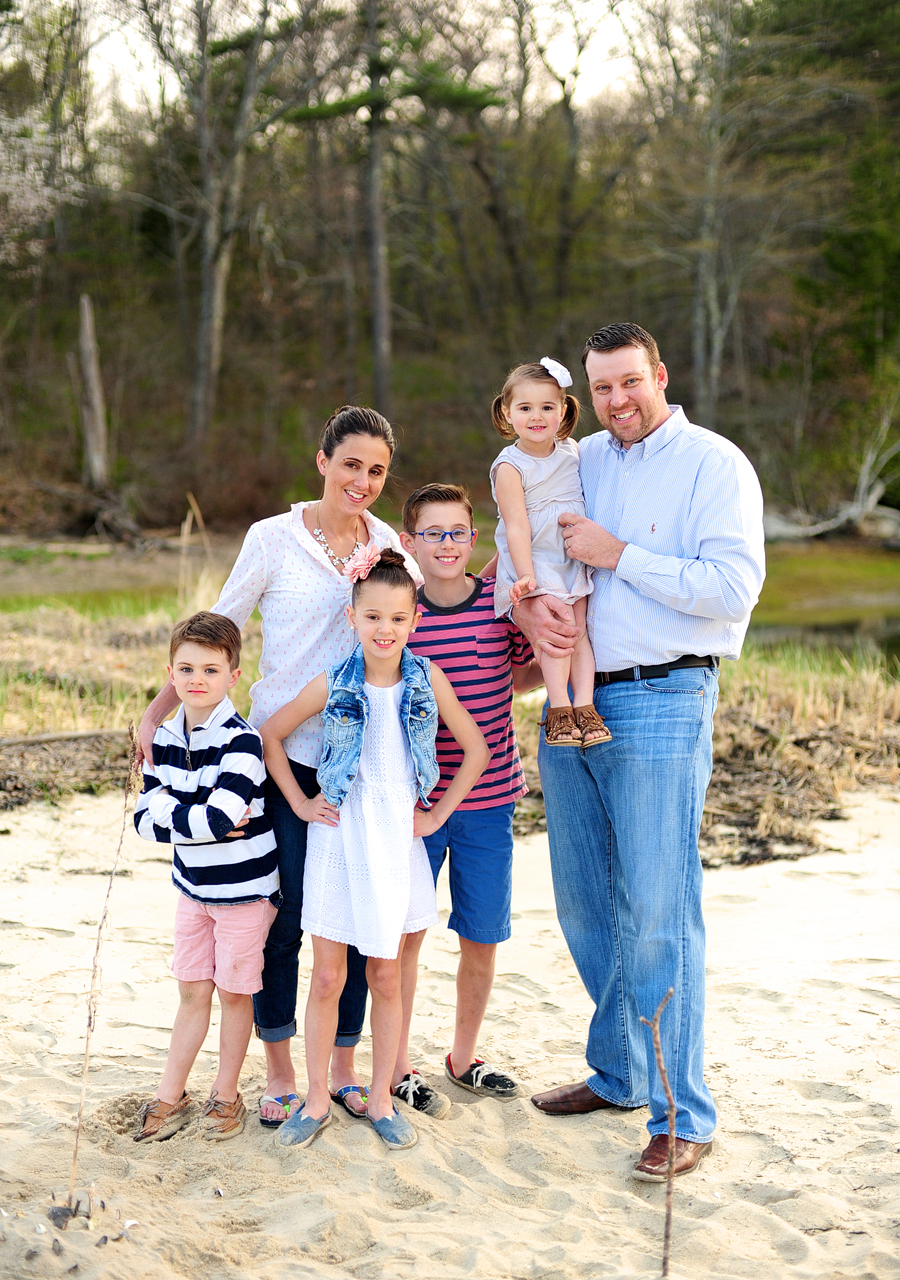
{"points": [[300, 1129], [395, 1132]]}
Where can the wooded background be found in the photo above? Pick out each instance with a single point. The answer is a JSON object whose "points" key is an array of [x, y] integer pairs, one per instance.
{"points": [[391, 203]]}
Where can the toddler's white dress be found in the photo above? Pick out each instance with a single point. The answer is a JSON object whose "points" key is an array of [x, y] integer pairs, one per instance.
{"points": [[552, 485], [368, 880]]}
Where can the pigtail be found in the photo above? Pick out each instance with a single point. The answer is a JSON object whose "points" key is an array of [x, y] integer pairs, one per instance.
{"points": [[499, 421], [570, 416]]}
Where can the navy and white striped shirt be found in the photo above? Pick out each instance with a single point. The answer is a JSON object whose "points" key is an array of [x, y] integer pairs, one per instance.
{"points": [[203, 785], [689, 505]]}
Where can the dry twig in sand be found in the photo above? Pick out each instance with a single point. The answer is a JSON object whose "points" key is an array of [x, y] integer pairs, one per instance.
{"points": [[131, 788], [670, 1112]]}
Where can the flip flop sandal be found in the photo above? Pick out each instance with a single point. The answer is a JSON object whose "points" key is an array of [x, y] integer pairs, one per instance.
{"points": [[561, 728], [284, 1100], [341, 1099], [589, 721]]}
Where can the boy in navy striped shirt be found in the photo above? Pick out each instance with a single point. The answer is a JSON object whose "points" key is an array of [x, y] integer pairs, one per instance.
{"points": [[203, 794], [486, 659]]}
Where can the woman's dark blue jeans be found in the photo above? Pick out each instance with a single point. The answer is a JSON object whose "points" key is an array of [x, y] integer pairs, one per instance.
{"points": [[275, 1007]]}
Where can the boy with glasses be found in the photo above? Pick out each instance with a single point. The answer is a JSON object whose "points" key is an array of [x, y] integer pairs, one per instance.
{"points": [[486, 660]]}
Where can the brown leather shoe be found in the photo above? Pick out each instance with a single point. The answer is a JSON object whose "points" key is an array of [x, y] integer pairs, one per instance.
{"points": [[220, 1119], [653, 1165], [570, 1100], [159, 1120]]}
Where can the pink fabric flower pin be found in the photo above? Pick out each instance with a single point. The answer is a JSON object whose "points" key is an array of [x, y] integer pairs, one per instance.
{"points": [[361, 563]]}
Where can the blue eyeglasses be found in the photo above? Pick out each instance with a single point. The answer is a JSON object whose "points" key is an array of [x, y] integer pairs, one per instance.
{"points": [[438, 535]]}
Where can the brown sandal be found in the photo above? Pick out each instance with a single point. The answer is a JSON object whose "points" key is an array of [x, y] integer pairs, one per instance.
{"points": [[159, 1120], [560, 728], [589, 722], [220, 1119]]}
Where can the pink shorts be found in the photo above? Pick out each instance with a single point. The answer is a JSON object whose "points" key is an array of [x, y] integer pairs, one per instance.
{"points": [[224, 943]]}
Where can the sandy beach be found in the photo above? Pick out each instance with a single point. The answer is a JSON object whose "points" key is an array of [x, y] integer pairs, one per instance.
{"points": [[803, 1054]]}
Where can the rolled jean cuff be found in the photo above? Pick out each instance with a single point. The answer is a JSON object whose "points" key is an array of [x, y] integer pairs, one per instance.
{"points": [[347, 1041], [657, 1127], [271, 1035], [595, 1083]]}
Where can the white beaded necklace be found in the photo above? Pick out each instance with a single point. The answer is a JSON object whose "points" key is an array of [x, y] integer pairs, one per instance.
{"points": [[338, 561]]}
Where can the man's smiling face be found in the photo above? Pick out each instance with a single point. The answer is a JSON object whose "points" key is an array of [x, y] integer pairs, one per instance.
{"points": [[627, 394]]}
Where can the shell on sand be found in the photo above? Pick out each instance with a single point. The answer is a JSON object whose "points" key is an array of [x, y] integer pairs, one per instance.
{"points": [[803, 1054]]}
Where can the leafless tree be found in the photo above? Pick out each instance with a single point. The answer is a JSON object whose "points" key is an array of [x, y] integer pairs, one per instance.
{"points": [[240, 69]]}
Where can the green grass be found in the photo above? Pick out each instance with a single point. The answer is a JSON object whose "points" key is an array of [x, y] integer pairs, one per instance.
{"points": [[821, 583], [97, 605]]}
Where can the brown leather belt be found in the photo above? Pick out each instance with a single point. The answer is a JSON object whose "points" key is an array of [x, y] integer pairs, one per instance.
{"points": [[653, 673]]}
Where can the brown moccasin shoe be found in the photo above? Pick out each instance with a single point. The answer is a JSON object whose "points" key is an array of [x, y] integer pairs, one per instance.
{"points": [[159, 1120], [220, 1119], [653, 1165]]}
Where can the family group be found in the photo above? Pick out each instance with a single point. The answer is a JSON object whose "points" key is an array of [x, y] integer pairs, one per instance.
{"points": [[381, 745]]}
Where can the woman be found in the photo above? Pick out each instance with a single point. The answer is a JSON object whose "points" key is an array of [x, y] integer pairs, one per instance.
{"points": [[292, 567]]}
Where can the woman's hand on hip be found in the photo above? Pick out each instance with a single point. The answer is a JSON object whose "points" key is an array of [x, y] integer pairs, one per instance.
{"points": [[318, 810], [548, 625]]}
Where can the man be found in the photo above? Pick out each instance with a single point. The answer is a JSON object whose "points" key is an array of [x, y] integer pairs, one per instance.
{"points": [[674, 532]]}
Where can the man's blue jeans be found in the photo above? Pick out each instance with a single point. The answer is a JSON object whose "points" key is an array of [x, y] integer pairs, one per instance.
{"points": [[275, 1007], [623, 820]]}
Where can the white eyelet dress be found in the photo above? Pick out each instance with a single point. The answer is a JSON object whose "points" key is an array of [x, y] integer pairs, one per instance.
{"points": [[368, 880]]}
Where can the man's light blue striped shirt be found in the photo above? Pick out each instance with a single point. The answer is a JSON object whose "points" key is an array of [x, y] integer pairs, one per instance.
{"points": [[689, 505]]}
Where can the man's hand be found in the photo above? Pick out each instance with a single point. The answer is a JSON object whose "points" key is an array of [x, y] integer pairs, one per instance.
{"points": [[590, 542], [548, 625], [424, 822]]}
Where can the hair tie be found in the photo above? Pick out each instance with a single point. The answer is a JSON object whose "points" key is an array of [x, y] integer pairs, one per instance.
{"points": [[362, 562], [557, 371]]}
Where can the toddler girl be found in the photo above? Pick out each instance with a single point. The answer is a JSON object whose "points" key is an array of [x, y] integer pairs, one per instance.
{"points": [[367, 880], [533, 481]]}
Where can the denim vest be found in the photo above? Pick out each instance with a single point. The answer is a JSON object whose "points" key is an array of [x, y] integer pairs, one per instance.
{"points": [[346, 715]]}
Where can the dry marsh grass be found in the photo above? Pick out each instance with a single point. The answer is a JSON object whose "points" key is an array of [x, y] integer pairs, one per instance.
{"points": [[795, 727]]}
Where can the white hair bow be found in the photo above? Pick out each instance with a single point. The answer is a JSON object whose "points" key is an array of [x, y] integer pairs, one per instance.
{"points": [[557, 371]]}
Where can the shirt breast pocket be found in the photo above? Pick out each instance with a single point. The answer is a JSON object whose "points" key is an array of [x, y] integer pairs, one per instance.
{"points": [[342, 721], [492, 651]]}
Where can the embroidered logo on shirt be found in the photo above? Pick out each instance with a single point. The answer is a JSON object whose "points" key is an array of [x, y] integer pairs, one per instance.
{"points": [[653, 528]]}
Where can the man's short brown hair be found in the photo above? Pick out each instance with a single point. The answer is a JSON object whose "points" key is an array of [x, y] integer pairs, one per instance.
{"points": [[612, 337], [434, 493], [212, 631]]}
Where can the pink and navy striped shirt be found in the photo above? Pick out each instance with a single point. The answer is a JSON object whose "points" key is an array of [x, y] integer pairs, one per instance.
{"points": [[476, 652]]}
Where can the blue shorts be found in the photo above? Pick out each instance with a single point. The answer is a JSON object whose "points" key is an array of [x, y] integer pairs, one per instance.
{"points": [[480, 844]]}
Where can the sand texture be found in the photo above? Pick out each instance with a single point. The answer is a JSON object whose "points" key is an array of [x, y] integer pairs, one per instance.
{"points": [[803, 1053]]}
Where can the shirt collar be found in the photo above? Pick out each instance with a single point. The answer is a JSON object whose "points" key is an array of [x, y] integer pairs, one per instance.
{"points": [[217, 716], [657, 439]]}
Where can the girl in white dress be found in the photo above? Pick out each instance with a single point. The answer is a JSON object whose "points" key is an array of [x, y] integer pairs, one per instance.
{"points": [[367, 880], [534, 481]]}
